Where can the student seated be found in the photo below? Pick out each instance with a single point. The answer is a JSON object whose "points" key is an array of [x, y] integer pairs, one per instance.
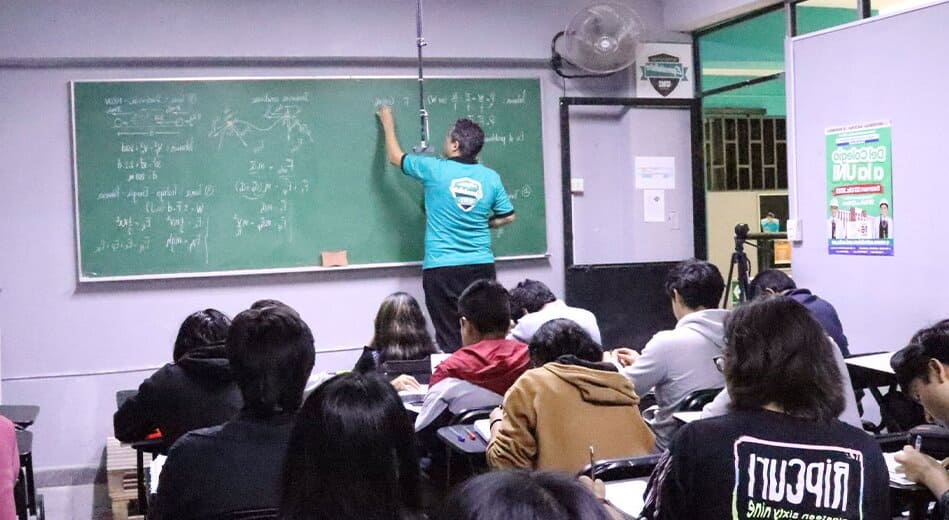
{"points": [[478, 374], [768, 279], [675, 363], [238, 465], [521, 495], [9, 468], [533, 304], [197, 390], [781, 449], [400, 334], [922, 368], [571, 401], [352, 454]]}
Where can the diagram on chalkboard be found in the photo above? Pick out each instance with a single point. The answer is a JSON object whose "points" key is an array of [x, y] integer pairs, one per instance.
{"points": [[286, 116]]}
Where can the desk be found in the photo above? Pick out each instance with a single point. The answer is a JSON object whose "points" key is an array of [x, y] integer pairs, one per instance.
{"points": [[687, 417], [22, 415], [872, 372], [463, 438], [25, 488], [151, 446]]}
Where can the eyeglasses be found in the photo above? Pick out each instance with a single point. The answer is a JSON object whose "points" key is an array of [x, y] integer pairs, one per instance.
{"points": [[719, 363]]}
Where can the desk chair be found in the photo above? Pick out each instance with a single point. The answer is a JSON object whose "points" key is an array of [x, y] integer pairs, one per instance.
{"points": [[151, 446], [24, 492], [622, 468], [420, 369], [898, 412], [693, 402], [474, 463]]}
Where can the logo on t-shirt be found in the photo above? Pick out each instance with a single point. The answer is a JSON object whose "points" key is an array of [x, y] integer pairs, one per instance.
{"points": [[786, 480], [466, 192]]}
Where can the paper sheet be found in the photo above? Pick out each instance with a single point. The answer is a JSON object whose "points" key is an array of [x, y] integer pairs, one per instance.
{"points": [[654, 206], [627, 495]]}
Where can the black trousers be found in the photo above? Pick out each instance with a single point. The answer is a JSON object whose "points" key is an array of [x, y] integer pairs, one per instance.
{"points": [[443, 286]]}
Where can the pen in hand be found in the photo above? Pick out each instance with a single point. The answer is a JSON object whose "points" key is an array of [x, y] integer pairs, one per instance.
{"points": [[591, 463]]}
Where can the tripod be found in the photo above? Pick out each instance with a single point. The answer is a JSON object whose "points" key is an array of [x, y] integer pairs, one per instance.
{"points": [[739, 260]]}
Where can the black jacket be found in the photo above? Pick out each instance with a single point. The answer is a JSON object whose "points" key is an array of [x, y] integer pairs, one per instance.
{"points": [[196, 392]]}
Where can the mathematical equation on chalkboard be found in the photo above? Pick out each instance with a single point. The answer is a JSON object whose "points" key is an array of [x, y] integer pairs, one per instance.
{"points": [[208, 174]]}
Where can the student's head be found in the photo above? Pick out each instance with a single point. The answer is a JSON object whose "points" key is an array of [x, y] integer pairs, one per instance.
{"points": [[694, 285], [464, 140], [770, 281], [562, 337], [400, 331], [776, 353], [271, 354], [260, 304], [529, 296], [351, 453], [200, 329], [922, 369], [884, 208], [485, 311], [522, 495]]}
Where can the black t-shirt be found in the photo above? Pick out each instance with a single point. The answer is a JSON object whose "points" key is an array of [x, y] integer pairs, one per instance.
{"points": [[767, 465]]}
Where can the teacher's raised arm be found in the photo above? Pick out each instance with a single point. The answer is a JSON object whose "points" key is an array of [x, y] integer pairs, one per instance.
{"points": [[393, 150]]}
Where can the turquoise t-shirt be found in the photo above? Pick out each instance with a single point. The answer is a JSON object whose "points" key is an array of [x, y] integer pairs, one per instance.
{"points": [[460, 197]]}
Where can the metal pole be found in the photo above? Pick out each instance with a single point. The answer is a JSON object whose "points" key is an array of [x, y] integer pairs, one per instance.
{"points": [[423, 114]]}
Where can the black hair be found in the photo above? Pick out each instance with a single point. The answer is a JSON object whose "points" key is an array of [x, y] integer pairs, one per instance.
{"points": [[776, 352], [562, 337], [469, 136], [200, 329], [260, 304], [400, 330], [529, 296], [351, 454], [698, 282], [271, 354], [522, 495], [773, 279], [912, 361], [486, 305]]}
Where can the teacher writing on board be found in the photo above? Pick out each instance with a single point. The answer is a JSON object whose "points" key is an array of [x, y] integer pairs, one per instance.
{"points": [[462, 200]]}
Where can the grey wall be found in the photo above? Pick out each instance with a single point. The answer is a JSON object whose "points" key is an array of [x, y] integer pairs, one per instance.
{"points": [[881, 300], [67, 347]]}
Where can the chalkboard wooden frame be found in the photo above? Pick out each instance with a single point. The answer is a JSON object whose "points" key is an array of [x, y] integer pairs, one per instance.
{"points": [[84, 277]]}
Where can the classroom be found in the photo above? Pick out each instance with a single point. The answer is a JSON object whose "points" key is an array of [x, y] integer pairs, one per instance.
{"points": [[71, 338]]}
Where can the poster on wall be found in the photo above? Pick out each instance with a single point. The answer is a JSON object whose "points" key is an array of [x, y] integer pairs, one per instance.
{"points": [[664, 70], [859, 189]]}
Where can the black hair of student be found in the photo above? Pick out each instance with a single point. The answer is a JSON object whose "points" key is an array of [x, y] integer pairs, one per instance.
{"points": [[523, 495], [260, 304], [469, 136], [562, 337], [773, 279], [529, 296], [271, 354], [698, 282], [352, 454], [912, 361], [400, 330], [486, 305], [776, 352], [200, 329]]}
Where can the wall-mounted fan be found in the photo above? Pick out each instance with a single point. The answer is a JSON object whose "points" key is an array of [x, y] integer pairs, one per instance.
{"points": [[600, 40]]}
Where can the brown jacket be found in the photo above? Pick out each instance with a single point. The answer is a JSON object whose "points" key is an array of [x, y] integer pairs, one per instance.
{"points": [[553, 414]]}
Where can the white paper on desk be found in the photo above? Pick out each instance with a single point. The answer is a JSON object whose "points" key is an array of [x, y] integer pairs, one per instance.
{"points": [[627, 495], [483, 427], [654, 206], [896, 477], [154, 471], [655, 173]]}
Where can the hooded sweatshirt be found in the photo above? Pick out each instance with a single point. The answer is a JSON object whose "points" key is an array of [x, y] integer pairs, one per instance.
{"points": [[677, 362], [196, 392], [553, 414]]}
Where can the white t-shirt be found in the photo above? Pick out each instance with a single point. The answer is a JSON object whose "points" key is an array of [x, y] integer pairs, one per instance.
{"points": [[529, 323]]}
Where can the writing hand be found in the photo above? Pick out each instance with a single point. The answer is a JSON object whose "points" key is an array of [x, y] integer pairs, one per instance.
{"points": [[385, 115], [405, 382], [923, 469]]}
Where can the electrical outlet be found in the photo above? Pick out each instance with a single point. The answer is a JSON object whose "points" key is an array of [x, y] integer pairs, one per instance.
{"points": [[576, 186], [795, 230], [674, 219]]}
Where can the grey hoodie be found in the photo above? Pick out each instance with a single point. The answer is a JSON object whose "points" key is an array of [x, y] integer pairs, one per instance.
{"points": [[677, 362]]}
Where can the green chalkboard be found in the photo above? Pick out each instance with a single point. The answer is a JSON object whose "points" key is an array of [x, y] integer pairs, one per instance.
{"points": [[226, 176]]}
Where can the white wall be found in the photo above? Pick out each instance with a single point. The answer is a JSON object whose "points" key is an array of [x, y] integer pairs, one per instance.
{"points": [[690, 15], [881, 300], [62, 340]]}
